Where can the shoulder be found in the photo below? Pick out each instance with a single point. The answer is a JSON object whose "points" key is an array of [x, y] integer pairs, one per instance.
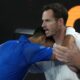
{"points": [[76, 36], [8, 43], [68, 41], [71, 31]]}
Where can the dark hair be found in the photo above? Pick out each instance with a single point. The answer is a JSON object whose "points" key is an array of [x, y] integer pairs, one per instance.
{"points": [[76, 25], [38, 32], [59, 11]]}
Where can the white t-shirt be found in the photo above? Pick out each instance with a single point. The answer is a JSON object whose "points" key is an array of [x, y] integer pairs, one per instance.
{"points": [[76, 35], [58, 72], [64, 72]]}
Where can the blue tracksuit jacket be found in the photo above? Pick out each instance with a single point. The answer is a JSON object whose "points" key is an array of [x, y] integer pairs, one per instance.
{"points": [[16, 56]]}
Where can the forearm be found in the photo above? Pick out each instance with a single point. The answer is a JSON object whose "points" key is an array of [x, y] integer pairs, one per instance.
{"points": [[36, 53]]}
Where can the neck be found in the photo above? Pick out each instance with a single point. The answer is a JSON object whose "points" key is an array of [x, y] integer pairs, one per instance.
{"points": [[59, 37]]}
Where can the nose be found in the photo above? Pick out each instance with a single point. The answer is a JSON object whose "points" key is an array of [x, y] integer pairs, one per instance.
{"points": [[43, 24]]}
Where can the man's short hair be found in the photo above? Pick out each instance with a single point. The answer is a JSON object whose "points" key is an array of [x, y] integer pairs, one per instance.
{"points": [[59, 11]]}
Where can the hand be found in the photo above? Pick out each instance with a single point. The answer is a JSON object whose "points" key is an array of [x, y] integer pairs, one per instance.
{"points": [[61, 53], [68, 56]]}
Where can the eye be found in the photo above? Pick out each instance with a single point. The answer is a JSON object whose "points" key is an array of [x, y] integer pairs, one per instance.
{"points": [[47, 20]]}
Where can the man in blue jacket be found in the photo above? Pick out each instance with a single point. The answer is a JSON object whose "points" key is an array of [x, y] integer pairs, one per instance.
{"points": [[16, 56]]}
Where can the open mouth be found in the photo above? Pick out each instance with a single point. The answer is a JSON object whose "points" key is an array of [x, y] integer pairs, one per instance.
{"points": [[46, 31]]}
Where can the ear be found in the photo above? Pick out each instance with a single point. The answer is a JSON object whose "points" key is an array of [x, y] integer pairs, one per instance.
{"points": [[60, 21]]}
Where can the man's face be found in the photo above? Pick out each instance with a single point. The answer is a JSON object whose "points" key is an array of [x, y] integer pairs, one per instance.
{"points": [[50, 24]]}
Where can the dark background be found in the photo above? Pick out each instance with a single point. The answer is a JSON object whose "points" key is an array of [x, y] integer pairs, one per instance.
{"points": [[24, 14]]}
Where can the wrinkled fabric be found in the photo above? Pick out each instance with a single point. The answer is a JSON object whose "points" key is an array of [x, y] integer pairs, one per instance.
{"points": [[16, 56], [54, 70]]}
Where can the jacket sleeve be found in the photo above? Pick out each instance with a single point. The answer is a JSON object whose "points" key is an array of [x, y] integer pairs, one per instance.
{"points": [[35, 53]]}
